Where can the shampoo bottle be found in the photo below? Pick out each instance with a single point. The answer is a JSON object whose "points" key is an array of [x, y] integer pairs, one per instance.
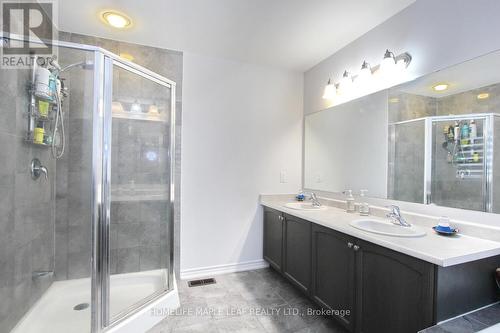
{"points": [[472, 130]]}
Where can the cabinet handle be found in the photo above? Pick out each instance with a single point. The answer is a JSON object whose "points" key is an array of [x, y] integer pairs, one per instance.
{"points": [[349, 244], [356, 247], [280, 218]]}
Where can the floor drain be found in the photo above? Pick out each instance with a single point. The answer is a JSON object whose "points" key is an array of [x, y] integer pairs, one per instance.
{"points": [[81, 306]]}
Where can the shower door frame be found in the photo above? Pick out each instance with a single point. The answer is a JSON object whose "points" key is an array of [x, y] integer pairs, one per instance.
{"points": [[488, 134], [101, 167], [103, 85]]}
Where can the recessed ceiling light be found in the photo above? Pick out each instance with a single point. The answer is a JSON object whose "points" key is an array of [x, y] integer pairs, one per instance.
{"points": [[483, 96], [127, 56], [115, 19], [440, 87]]}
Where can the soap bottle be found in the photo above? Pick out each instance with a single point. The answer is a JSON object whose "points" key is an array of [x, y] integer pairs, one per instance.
{"points": [[364, 208], [456, 131], [472, 130], [465, 134], [350, 205]]}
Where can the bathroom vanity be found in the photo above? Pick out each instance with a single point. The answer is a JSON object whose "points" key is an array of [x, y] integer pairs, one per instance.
{"points": [[388, 284]]}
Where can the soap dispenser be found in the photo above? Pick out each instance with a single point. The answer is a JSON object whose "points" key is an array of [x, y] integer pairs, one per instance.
{"points": [[351, 207], [364, 208]]}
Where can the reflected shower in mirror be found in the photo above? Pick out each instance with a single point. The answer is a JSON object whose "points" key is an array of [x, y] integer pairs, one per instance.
{"points": [[434, 140]]}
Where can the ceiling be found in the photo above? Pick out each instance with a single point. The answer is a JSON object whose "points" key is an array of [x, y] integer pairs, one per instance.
{"points": [[469, 75], [294, 34]]}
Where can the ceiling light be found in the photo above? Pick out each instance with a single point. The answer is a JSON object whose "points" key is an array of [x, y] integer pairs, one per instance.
{"points": [[483, 96], [127, 56], [440, 87], [330, 90], [116, 20]]}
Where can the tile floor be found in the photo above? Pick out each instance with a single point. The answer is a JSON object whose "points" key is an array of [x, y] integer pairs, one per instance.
{"points": [[470, 323], [236, 303]]}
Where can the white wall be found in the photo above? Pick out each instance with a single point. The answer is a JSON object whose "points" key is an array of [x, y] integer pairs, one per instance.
{"points": [[242, 126], [436, 33]]}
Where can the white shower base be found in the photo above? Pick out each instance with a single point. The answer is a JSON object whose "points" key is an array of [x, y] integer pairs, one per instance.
{"points": [[54, 313]]}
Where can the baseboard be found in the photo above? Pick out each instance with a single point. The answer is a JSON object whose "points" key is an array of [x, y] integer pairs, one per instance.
{"points": [[195, 273]]}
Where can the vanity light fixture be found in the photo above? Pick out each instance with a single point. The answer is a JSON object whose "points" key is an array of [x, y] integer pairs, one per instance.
{"points": [[391, 67], [389, 61], [345, 84], [440, 87], [483, 96], [330, 90], [116, 19], [366, 71]]}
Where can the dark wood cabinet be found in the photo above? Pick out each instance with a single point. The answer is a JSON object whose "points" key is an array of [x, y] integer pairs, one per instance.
{"points": [[333, 273], [273, 238], [395, 292], [384, 290], [297, 252]]}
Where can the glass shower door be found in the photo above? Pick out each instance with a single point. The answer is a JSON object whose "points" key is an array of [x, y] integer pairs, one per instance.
{"points": [[140, 189], [459, 163]]}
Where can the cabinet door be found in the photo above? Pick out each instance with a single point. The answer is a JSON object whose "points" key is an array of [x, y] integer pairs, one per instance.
{"points": [[333, 278], [273, 238], [394, 291], [297, 263]]}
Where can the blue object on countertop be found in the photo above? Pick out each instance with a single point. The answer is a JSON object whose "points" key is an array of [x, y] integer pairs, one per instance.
{"points": [[300, 197], [445, 230]]}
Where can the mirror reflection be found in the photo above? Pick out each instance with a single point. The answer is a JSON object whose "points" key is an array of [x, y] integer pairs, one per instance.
{"points": [[435, 140]]}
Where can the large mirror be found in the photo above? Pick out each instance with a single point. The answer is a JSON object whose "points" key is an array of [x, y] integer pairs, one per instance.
{"points": [[434, 140]]}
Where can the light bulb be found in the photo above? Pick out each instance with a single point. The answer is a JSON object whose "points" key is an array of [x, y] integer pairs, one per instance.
{"points": [[365, 74], [330, 90], [153, 108], [116, 107], [389, 62], [346, 82], [136, 107]]}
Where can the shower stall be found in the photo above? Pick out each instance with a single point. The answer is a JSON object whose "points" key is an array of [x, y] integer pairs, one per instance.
{"points": [[446, 160], [87, 192]]}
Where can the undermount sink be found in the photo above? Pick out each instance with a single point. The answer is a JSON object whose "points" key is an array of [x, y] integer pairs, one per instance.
{"points": [[303, 206], [387, 228]]}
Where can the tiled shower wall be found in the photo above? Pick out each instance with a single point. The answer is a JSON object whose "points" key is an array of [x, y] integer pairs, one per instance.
{"points": [[134, 247], [27, 207]]}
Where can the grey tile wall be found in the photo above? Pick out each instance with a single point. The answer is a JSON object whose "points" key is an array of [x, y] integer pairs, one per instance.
{"points": [[27, 207], [407, 162]]}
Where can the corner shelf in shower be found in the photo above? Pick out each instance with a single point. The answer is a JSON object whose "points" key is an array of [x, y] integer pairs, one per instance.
{"points": [[36, 144]]}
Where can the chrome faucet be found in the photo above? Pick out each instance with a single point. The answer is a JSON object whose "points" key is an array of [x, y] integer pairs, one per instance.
{"points": [[37, 169], [396, 218], [314, 199]]}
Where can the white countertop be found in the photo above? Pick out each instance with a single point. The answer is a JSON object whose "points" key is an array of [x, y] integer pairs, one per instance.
{"points": [[440, 250]]}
